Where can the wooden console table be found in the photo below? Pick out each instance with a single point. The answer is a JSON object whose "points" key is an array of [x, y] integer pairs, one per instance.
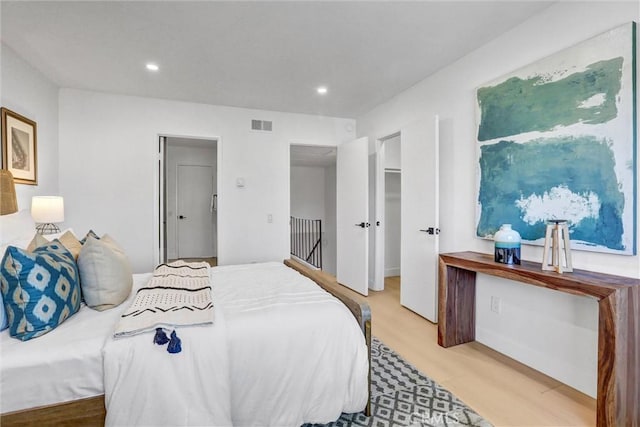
{"points": [[618, 399]]}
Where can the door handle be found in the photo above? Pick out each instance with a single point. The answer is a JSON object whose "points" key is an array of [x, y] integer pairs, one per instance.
{"points": [[431, 230], [182, 217], [363, 225]]}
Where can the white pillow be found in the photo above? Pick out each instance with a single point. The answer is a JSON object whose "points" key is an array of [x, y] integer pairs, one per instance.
{"points": [[16, 226], [39, 239], [105, 273]]}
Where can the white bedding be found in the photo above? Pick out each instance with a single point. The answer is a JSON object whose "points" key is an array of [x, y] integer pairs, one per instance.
{"points": [[62, 365], [147, 386], [282, 351]]}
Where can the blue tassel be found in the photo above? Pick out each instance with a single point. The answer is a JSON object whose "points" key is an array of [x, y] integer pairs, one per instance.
{"points": [[174, 345], [161, 337]]}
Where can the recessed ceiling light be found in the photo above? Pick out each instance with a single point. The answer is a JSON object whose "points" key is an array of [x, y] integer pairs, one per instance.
{"points": [[152, 67], [322, 90]]}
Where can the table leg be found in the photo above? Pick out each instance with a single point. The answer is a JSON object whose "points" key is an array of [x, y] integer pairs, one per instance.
{"points": [[456, 306], [619, 359]]}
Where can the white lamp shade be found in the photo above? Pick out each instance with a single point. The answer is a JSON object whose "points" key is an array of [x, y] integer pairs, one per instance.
{"points": [[47, 209]]}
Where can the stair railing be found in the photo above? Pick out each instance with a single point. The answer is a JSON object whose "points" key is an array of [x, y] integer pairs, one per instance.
{"points": [[306, 240]]}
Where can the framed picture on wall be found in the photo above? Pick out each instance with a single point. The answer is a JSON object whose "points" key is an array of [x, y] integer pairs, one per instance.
{"points": [[557, 140], [19, 147]]}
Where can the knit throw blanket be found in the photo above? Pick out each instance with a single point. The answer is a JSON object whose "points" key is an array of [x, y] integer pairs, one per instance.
{"points": [[178, 294]]}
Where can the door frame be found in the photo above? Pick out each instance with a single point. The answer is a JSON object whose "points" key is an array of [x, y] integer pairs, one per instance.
{"points": [[305, 143], [159, 204], [377, 282]]}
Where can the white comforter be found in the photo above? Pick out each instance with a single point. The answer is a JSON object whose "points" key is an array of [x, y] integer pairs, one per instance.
{"points": [[60, 366], [281, 352]]}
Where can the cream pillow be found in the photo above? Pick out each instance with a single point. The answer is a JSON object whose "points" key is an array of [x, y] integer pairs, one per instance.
{"points": [[71, 242], [105, 273], [37, 241], [67, 238]]}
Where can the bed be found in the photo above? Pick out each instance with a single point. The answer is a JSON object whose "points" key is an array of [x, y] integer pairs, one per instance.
{"points": [[281, 352], [74, 394], [60, 378]]}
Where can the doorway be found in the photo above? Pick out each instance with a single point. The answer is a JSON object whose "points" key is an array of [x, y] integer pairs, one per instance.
{"points": [[189, 230], [415, 160], [313, 205], [388, 194]]}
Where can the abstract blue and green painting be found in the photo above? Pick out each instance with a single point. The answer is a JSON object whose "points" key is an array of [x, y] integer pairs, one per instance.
{"points": [[557, 140]]}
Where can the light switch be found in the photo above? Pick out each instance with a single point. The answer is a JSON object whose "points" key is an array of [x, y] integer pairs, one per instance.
{"points": [[269, 218], [240, 182]]}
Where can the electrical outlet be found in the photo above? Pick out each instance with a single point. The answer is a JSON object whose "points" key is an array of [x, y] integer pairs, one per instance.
{"points": [[496, 305], [269, 218]]}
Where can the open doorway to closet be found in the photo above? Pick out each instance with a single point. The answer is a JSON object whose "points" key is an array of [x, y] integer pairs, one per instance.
{"points": [[189, 228], [313, 205], [411, 153], [386, 207]]}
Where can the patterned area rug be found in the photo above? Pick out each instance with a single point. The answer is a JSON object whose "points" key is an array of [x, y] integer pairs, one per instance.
{"points": [[403, 396]]}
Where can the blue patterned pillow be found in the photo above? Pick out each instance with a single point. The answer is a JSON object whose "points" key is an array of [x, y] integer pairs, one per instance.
{"points": [[40, 289]]}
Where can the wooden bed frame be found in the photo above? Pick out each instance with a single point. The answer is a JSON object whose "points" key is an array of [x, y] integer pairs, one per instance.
{"points": [[91, 411]]}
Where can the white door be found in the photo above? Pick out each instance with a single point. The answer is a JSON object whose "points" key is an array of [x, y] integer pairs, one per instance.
{"points": [[195, 216], [420, 222], [352, 214]]}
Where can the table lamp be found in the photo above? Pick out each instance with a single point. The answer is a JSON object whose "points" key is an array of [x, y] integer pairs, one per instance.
{"points": [[46, 212]]}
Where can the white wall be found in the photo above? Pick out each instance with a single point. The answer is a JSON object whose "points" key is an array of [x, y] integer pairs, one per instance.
{"points": [[392, 224], [108, 169], [184, 155], [554, 333], [29, 93], [392, 153], [308, 192], [313, 196]]}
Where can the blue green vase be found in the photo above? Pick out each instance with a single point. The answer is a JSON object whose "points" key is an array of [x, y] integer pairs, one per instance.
{"points": [[507, 245]]}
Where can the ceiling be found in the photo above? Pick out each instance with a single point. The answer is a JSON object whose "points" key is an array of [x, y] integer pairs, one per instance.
{"points": [[264, 55]]}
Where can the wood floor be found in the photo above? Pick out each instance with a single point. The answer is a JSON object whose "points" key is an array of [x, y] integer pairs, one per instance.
{"points": [[500, 389]]}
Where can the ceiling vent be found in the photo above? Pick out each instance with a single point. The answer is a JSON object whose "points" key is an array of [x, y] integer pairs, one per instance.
{"points": [[264, 125]]}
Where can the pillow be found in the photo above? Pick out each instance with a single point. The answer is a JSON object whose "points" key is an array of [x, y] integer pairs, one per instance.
{"points": [[105, 273], [37, 241], [60, 234], [15, 230], [40, 289], [19, 243], [68, 240], [89, 234], [15, 226]]}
